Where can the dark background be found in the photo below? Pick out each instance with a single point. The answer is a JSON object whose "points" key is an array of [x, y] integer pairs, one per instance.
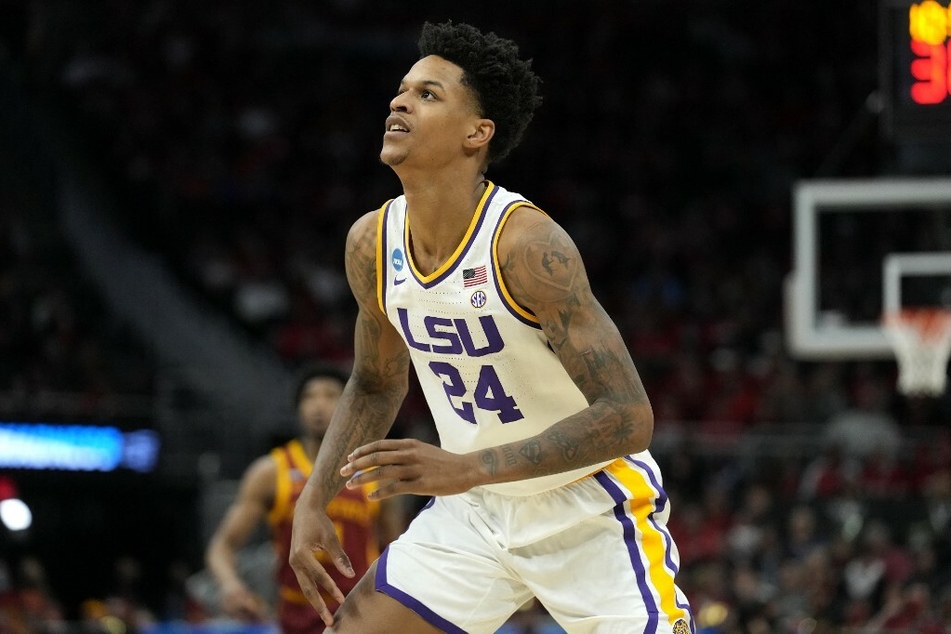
{"points": [[237, 142]]}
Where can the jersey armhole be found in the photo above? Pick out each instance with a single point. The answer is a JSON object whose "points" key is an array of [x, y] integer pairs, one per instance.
{"points": [[523, 314], [298, 458], [380, 251], [282, 490]]}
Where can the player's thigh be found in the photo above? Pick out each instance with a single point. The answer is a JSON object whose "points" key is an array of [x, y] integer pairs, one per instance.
{"points": [[366, 611], [447, 567], [600, 577]]}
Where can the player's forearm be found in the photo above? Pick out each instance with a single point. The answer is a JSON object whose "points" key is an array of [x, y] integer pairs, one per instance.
{"points": [[603, 431], [365, 413], [221, 561]]}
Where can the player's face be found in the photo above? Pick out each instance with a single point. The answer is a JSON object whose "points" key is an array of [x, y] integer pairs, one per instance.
{"points": [[430, 116], [317, 404]]}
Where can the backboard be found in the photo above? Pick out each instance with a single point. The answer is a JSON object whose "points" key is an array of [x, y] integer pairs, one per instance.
{"points": [[862, 247]]}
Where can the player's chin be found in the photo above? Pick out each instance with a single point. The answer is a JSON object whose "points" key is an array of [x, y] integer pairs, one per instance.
{"points": [[391, 157]]}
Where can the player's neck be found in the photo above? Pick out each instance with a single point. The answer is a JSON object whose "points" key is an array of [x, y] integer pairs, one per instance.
{"points": [[311, 446], [440, 211]]}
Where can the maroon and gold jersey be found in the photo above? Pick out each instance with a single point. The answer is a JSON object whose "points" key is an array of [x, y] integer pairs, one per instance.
{"points": [[354, 517]]}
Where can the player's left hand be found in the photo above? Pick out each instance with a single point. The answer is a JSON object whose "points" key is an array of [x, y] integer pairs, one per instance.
{"points": [[410, 466]]}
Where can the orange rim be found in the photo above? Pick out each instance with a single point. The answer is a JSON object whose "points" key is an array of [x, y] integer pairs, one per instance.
{"points": [[930, 323]]}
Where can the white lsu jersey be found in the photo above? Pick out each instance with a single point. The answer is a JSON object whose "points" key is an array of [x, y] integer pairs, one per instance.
{"points": [[483, 362]]}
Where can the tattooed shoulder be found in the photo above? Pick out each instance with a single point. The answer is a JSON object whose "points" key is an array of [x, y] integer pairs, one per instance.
{"points": [[540, 263], [361, 256]]}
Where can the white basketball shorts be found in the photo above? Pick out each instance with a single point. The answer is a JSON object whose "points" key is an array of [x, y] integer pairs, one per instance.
{"points": [[596, 553]]}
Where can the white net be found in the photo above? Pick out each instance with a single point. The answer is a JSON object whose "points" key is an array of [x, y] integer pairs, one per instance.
{"points": [[922, 342]]}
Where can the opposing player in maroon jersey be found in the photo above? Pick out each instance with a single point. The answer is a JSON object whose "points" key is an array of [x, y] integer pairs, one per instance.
{"points": [[269, 491]]}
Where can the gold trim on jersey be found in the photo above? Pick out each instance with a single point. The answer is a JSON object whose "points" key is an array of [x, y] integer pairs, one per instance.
{"points": [[290, 456], [506, 297], [460, 248], [282, 487], [299, 457], [380, 256]]}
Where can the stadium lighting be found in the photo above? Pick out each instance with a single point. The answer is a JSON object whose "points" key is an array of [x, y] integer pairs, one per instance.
{"points": [[15, 514]]}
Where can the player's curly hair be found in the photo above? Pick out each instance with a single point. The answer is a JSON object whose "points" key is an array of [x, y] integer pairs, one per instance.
{"points": [[316, 370], [505, 87]]}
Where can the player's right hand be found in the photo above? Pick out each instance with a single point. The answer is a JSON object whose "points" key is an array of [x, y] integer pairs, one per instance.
{"points": [[312, 533], [240, 603]]}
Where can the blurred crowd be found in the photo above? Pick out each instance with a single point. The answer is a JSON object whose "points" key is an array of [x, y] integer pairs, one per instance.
{"points": [[243, 143], [61, 358]]}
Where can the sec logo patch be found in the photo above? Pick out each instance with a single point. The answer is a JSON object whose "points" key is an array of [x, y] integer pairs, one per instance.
{"points": [[478, 299]]}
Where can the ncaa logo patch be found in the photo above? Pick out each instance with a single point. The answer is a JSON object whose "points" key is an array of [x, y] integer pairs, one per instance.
{"points": [[478, 299], [397, 259]]}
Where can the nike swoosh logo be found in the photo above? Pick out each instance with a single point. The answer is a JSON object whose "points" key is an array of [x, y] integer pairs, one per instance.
{"points": [[399, 281]]}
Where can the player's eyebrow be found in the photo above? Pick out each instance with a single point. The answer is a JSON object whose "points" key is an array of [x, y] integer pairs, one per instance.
{"points": [[424, 82]]}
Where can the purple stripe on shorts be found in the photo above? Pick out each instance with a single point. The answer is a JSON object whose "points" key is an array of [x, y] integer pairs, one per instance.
{"points": [[658, 507], [409, 601], [630, 539]]}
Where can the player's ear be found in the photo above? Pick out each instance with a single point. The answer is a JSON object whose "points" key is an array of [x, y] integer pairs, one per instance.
{"points": [[480, 133]]}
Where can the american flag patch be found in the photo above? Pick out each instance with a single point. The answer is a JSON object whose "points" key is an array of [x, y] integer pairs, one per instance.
{"points": [[474, 277]]}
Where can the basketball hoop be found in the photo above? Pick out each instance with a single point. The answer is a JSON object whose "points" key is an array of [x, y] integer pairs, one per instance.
{"points": [[921, 338]]}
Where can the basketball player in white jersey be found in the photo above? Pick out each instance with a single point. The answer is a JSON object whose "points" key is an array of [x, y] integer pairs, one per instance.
{"points": [[543, 484]]}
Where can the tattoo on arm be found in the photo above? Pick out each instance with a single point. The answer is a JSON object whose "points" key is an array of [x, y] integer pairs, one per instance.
{"points": [[544, 273], [509, 452], [378, 383], [568, 445], [550, 258], [490, 461], [376, 368], [532, 450]]}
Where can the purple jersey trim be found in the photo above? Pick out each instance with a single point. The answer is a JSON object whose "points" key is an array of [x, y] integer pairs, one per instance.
{"points": [[409, 601]]}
